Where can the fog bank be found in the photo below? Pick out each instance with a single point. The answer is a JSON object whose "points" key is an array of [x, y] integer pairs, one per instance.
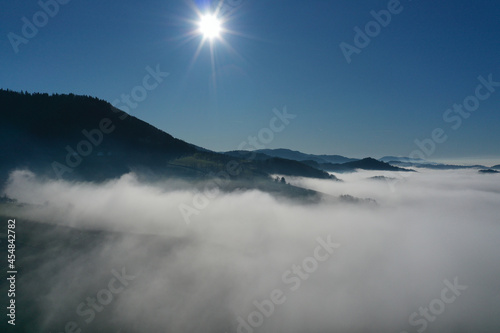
{"points": [[251, 263]]}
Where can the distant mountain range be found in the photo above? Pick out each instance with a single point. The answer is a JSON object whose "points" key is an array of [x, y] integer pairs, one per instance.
{"points": [[332, 162], [298, 156], [394, 159], [437, 166], [84, 138], [416, 162], [364, 164], [343, 164]]}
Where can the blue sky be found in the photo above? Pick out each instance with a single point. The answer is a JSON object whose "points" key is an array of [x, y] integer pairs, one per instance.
{"points": [[278, 53]]}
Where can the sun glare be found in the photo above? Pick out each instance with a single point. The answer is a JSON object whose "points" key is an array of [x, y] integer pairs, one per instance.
{"points": [[210, 27]]}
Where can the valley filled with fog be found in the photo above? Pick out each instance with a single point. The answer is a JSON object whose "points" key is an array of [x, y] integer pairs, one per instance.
{"points": [[119, 256]]}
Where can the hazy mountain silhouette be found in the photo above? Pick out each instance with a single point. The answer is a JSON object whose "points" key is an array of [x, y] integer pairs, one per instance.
{"points": [[322, 162], [395, 159], [364, 164], [420, 163], [299, 156], [488, 171], [437, 166]]}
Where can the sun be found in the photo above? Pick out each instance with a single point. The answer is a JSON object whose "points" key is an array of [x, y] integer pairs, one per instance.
{"points": [[210, 27]]}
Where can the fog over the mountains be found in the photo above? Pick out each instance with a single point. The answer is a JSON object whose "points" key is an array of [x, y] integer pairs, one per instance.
{"points": [[425, 258]]}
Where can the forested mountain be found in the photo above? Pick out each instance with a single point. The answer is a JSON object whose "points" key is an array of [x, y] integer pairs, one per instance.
{"points": [[85, 138]]}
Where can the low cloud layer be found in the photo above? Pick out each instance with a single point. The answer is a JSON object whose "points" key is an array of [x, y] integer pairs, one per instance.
{"points": [[251, 263]]}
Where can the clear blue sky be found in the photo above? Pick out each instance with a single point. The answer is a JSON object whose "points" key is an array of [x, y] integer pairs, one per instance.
{"points": [[282, 52]]}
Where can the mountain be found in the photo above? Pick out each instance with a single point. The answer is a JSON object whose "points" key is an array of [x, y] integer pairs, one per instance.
{"points": [[382, 178], [286, 167], [372, 164], [496, 167], [488, 171], [80, 137], [437, 166], [248, 155], [251, 167], [395, 159], [420, 163], [299, 156], [364, 164], [316, 161], [85, 138]]}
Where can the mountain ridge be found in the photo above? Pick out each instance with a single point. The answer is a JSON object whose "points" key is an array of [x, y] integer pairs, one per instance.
{"points": [[367, 163], [84, 138], [300, 156]]}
